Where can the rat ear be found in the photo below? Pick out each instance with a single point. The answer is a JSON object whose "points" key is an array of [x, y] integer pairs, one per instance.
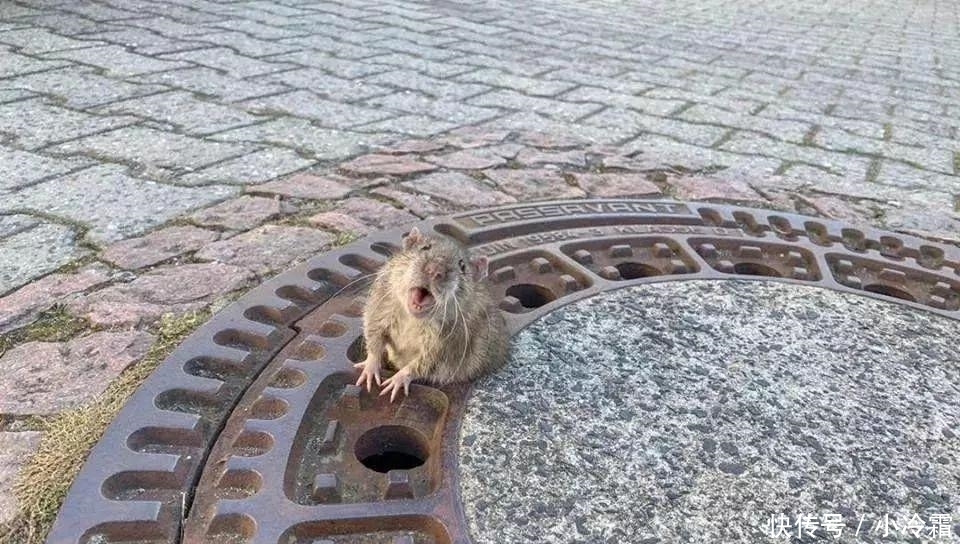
{"points": [[413, 238], [481, 267]]}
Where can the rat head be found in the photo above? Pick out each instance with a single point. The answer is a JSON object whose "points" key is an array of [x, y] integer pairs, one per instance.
{"points": [[438, 270]]}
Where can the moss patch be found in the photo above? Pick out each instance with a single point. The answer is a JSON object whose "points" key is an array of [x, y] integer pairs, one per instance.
{"points": [[69, 436], [53, 325]]}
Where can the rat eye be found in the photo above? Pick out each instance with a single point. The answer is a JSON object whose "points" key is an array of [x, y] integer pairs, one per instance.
{"points": [[425, 247], [463, 267]]}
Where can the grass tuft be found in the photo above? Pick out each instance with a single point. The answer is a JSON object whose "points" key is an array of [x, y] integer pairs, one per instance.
{"points": [[69, 436]]}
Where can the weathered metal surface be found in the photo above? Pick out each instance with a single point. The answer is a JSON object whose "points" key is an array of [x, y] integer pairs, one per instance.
{"points": [[252, 431]]}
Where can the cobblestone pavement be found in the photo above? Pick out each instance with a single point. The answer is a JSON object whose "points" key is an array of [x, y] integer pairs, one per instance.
{"points": [[159, 156]]}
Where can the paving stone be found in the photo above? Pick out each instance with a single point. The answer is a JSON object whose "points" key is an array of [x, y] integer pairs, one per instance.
{"points": [[256, 167], [157, 246], [33, 41], [326, 113], [143, 41], [15, 224], [79, 87], [228, 61], [536, 184], [437, 88], [269, 248], [471, 137], [153, 149], [327, 86], [362, 216], [597, 95], [616, 185], [36, 251], [22, 168], [117, 61], [168, 289], [383, 165], [456, 113], [535, 157], [553, 108], [411, 146], [424, 66], [22, 305], [308, 186], [549, 141], [113, 204], [44, 378], [900, 175], [247, 45], [524, 120], [937, 224], [835, 208], [459, 189], [703, 188], [340, 65], [526, 85], [468, 159], [418, 126], [212, 83], [421, 205], [638, 123], [13, 64], [184, 111], [15, 450], [35, 123], [243, 213], [321, 143]]}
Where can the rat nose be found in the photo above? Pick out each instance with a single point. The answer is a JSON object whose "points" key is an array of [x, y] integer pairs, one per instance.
{"points": [[435, 271]]}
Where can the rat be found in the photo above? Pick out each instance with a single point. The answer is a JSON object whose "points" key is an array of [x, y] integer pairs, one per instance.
{"points": [[431, 316]]}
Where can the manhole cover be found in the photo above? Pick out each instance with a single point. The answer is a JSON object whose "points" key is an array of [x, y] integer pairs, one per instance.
{"points": [[252, 431]]}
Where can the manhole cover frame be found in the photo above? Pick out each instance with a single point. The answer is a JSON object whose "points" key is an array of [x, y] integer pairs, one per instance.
{"points": [[201, 434]]}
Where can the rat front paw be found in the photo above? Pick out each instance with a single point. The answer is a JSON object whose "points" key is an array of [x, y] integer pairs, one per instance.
{"points": [[369, 373], [393, 384]]}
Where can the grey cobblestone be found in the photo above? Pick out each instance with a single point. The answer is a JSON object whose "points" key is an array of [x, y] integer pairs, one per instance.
{"points": [[35, 251], [35, 123], [183, 111], [526, 85], [212, 83], [152, 148], [21, 168], [557, 109], [451, 112], [597, 95], [13, 64], [326, 113], [116, 60], [79, 87], [638, 123], [113, 204], [256, 167], [226, 60], [34, 41], [326, 85], [347, 68], [437, 88], [428, 67], [299, 134]]}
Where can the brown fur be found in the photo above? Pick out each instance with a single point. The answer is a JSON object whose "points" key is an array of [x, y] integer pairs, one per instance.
{"points": [[464, 334]]}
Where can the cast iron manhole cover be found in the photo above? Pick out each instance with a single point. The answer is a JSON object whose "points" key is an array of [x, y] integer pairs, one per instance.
{"points": [[251, 431]]}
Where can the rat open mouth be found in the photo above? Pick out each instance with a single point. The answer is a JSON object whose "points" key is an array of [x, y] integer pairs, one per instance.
{"points": [[420, 301]]}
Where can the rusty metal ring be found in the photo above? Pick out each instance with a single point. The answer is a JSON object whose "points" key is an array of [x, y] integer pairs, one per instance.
{"points": [[251, 431]]}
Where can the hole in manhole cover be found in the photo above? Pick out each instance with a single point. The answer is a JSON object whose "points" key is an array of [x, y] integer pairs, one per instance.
{"points": [[530, 295], [253, 432], [391, 447]]}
